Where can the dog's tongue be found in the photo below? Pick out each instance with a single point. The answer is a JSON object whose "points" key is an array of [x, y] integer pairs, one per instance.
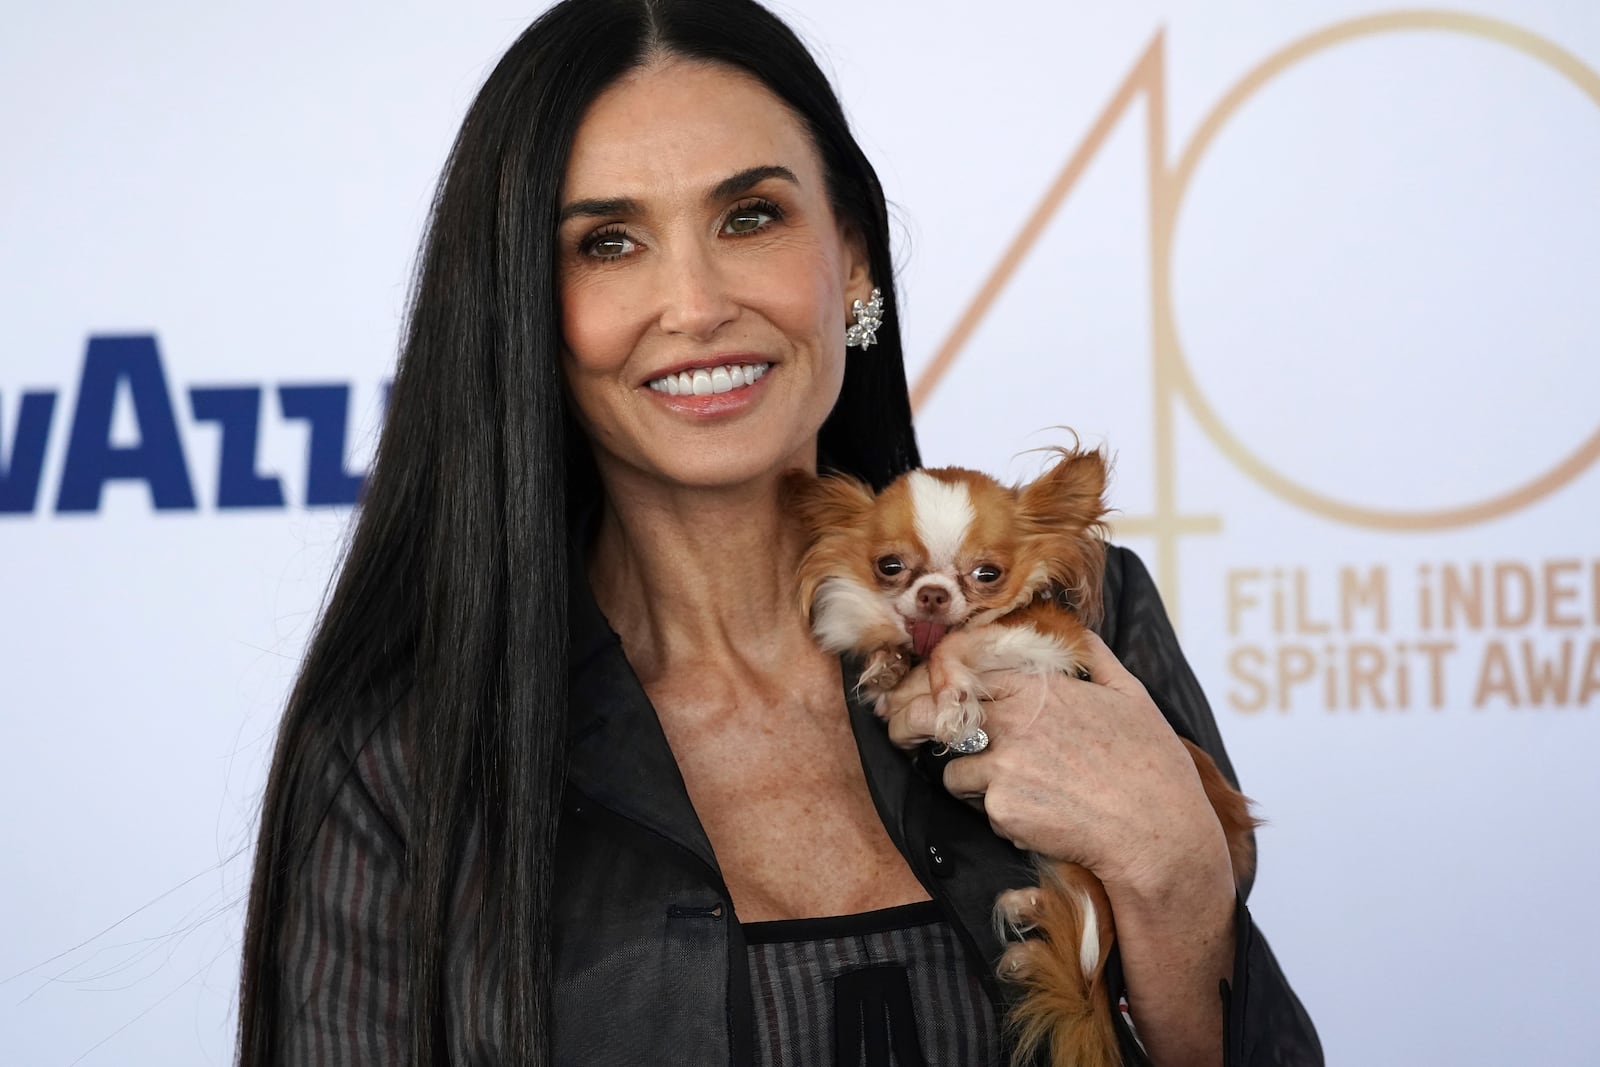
{"points": [[924, 635]]}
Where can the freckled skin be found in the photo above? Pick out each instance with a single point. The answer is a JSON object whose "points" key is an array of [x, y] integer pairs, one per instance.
{"points": [[683, 564]]}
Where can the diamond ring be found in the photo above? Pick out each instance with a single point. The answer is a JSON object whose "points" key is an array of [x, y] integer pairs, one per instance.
{"points": [[974, 742]]}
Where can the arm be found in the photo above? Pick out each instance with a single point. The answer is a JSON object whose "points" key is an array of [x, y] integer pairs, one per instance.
{"points": [[1093, 772], [1266, 1023], [340, 945]]}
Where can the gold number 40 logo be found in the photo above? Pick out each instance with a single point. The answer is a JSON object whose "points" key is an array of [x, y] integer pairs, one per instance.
{"points": [[1173, 377]]}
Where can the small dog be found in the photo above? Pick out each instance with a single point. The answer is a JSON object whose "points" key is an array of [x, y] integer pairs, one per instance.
{"points": [[952, 568]]}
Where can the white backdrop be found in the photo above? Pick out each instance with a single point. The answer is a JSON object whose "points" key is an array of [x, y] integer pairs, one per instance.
{"points": [[1323, 277]]}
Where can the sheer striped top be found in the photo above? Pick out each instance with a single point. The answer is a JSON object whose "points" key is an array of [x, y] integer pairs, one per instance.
{"points": [[887, 988]]}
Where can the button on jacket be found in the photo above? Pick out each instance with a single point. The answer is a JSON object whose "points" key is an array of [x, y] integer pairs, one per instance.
{"points": [[651, 966]]}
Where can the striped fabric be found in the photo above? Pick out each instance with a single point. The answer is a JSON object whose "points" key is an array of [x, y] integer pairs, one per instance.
{"points": [[342, 1000], [886, 988]]}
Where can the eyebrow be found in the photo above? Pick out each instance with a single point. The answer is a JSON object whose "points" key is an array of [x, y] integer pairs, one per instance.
{"points": [[748, 178], [728, 187]]}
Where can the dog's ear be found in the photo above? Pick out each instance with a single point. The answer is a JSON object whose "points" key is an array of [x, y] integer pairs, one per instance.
{"points": [[1070, 495], [1064, 508], [820, 507], [821, 504]]}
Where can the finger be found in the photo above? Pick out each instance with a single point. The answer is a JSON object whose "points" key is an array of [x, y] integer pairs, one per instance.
{"points": [[1104, 666], [913, 723], [1003, 684], [968, 777], [912, 686]]}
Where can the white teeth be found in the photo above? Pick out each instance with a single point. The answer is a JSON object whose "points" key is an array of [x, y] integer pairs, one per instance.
{"points": [[706, 381]]}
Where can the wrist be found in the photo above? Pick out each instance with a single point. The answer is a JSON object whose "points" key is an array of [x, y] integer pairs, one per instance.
{"points": [[1191, 880]]}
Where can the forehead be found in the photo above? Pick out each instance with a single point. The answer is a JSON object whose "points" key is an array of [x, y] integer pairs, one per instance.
{"points": [[680, 123], [953, 513]]}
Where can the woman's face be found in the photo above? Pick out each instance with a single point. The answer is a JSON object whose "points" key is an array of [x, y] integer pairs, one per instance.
{"points": [[698, 250]]}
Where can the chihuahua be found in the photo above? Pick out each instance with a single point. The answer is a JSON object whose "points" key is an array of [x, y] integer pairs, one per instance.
{"points": [[953, 570]]}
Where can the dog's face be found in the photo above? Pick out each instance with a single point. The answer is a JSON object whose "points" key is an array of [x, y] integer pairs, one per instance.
{"points": [[944, 549], [940, 549]]}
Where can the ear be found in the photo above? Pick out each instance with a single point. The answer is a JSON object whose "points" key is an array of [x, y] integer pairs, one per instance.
{"points": [[1064, 509], [824, 508], [822, 504], [857, 264], [1070, 495]]}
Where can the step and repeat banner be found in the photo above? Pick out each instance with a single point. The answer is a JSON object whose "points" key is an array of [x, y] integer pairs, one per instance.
{"points": [[1324, 277]]}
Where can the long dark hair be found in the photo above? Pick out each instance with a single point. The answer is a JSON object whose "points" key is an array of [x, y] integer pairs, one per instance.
{"points": [[454, 590]]}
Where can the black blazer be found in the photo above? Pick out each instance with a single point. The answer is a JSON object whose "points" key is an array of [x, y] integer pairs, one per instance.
{"points": [[650, 959]]}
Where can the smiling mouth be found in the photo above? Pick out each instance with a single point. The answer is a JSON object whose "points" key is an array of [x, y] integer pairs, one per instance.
{"points": [[708, 380]]}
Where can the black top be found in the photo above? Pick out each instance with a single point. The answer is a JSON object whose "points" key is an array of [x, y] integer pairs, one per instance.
{"points": [[651, 965], [888, 988]]}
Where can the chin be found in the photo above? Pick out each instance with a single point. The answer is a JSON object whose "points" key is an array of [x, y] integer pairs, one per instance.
{"points": [[952, 570]]}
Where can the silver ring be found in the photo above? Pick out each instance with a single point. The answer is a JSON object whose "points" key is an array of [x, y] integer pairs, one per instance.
{"points": [[973, 743]]}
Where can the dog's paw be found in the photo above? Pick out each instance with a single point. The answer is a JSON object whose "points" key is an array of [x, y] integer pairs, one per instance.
{"points": [[885, 669], [959, 714], [1022, 960], [1016, 912]]}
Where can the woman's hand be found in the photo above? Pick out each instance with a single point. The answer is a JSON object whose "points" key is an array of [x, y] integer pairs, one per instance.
{"points": [[1087, 771], [1090, 771]]}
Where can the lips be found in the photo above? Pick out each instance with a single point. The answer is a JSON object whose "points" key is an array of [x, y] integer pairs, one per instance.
{"points": [[925, 635]]}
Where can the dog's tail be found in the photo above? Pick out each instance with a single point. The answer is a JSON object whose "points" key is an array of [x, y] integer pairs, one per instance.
{"points": [[1063, 1004]]}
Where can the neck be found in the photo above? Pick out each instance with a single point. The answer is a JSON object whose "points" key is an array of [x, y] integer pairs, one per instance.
{"points": [[699, 579]]}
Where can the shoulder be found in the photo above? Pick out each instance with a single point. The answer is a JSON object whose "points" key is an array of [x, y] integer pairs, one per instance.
{"points": [[357, 769], [1130, 596]]}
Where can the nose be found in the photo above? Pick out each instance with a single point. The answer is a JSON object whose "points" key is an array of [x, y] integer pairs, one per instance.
{"points": [[695, 297], [933, 598]]}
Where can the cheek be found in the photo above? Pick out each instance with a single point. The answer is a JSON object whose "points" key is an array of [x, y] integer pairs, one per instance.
{"points": [[595, 329], [803, 294]]}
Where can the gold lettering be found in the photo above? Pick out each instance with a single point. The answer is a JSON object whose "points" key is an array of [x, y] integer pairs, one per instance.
{"points": [[1594, 592], [1296, 664], [1279, 614], [1513, 578], [1436, 652], [1467, 599], [1591, 675], [1367, 663], [1243, 664], [1555, 594], [1425, 597], [1544, 677], [1402, 678], [1495, 676], [1238, 599], [1302, 623], [1173, 381], [1372, 594], [1330, 679]]}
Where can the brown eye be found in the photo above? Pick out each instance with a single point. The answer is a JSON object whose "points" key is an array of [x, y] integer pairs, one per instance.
{"points": [[987, 573], [889, 566], [612, 242]]}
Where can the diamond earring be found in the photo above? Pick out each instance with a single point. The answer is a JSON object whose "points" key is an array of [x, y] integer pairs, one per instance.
{"points": [[869, 316]]}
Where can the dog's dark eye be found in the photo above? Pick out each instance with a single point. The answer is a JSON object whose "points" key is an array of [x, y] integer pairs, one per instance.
{"points": [[987, 573], [889, 566]]}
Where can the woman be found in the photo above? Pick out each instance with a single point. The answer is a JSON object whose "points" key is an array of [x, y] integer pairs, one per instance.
{"points": [[562, 751]]}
